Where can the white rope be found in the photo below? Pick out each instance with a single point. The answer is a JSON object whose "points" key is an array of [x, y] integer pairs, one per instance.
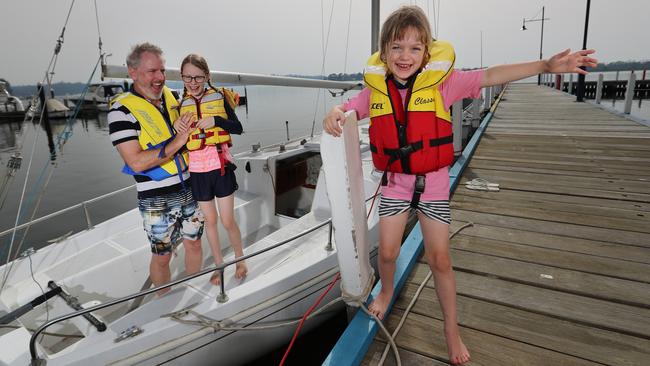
{"points": [[219, 325]]}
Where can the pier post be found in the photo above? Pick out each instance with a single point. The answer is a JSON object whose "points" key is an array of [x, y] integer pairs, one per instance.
{"points": [[629, 93], [476, 112], [457, 126], [599, 88], [488, 98], [570, 88]]}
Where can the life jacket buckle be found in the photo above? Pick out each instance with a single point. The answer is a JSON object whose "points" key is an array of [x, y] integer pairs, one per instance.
{"points": [[405, 151], [419, 183]]}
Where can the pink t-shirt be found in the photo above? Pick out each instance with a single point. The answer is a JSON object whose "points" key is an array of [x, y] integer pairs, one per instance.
{"points": [[207, 159], [459, 85]]}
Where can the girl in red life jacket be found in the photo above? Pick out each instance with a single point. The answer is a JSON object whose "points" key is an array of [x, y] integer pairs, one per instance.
{"points": [[211, 170], [410, 81]]}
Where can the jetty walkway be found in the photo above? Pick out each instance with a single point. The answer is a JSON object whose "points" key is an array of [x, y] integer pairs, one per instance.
{"points": [[556, 267]]}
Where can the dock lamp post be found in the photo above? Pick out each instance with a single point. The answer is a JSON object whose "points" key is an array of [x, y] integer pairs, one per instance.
{"points": [[580, 92], [541, 42]]}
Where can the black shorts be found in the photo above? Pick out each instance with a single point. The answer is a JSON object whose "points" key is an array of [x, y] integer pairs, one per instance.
{"points": [[208, 185]]}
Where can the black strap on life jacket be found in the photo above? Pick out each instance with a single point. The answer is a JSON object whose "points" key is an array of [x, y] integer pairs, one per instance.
{"points": [[419, 189]]}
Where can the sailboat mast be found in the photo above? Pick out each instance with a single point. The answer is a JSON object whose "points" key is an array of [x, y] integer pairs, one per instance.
{"points": [[374, 22]]}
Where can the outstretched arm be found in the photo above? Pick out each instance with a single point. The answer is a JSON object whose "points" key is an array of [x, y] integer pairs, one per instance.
{"points": [[562, 62]]}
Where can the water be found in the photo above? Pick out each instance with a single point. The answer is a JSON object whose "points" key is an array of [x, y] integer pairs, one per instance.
{"points": [[76, 161]]}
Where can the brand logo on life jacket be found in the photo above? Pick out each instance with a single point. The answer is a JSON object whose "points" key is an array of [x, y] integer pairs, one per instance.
{"points": [[377, 106], [420, 100]]}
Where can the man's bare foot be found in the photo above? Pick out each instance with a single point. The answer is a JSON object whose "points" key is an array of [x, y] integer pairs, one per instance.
{"points": [[241, 271], [458, 354], [380, 303], [215, 279]]}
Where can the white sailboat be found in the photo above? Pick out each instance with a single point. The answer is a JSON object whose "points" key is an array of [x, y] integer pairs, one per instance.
{"points": [[283, 211]]}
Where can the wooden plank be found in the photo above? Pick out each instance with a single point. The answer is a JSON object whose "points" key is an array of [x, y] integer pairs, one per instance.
{"points": [[580, 341], [561, 259], [534, 200], [561, 181], [424, 335], [597, 286], [544, 197], [407, 357], [625, 319], [549, 215], [557, 228], [630, 254]]}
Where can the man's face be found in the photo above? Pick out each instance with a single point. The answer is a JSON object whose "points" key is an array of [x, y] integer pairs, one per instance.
{"points": [[149, 76]]}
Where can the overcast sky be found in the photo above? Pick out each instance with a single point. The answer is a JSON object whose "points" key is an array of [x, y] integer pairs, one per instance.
{"points": [[285, 37]]}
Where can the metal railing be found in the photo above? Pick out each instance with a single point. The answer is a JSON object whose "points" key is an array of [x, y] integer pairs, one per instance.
{"points": [[222, 297], [83, 204]]}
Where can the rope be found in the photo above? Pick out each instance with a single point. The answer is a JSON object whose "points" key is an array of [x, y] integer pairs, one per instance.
{"points": [[295, 334], [222, 325], [412, 303]]}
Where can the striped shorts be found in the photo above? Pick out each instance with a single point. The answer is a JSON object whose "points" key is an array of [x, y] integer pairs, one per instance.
{"points": [[435, 210]]}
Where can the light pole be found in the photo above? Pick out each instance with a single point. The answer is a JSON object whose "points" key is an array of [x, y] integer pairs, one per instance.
{"points": [[541, 42], [580, 93]]}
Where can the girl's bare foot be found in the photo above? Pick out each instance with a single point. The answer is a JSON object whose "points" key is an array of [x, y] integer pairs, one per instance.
{"points": [[241, 270], [458, 354], [215, 279], [380, 303]]}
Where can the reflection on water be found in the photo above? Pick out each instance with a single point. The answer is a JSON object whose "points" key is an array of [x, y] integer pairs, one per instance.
{"points": [[74, 161]]}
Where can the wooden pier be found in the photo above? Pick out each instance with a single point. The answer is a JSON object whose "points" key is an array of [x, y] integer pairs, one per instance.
{"points": [[556, 267]]}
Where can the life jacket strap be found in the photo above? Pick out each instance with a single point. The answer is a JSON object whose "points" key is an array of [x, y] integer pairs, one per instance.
{"points": [[419, 189]]}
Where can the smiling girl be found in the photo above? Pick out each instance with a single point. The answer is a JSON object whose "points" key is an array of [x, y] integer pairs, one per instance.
{"points": [[410, 84]]}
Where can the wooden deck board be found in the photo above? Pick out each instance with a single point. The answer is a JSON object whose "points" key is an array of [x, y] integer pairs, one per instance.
{"points": [[556, 269]]}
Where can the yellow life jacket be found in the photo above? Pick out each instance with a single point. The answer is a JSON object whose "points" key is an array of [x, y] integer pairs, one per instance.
{"points": [[210, 104], [425, 87], [155, 132]]}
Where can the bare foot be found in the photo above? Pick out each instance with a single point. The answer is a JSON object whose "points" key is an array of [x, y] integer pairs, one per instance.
{"points": [[380, 304], [215, 279], [458, 354], [241, 271]]}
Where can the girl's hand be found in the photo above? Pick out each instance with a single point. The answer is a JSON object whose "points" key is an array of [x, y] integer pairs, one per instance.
{"points": [[333, 121], [207, 122], [182, 125], [564, 62]]}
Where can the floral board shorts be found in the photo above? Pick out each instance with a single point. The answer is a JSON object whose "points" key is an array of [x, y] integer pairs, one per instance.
{"points": [[435, 210], [167, 217]]}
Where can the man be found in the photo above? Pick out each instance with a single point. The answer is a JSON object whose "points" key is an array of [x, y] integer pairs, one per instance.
{"points": [[141, 128]]}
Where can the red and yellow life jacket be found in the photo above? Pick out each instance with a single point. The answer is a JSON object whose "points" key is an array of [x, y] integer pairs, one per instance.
{"points": [[417, 140], [210, 104]]}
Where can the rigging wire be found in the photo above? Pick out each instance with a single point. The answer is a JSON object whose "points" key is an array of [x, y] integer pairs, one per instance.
{"points": [[324, 43], [49, 73], [99, 34]]}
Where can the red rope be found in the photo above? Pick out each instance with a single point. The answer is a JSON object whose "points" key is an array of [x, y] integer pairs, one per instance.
{"points": [[304, 317]]}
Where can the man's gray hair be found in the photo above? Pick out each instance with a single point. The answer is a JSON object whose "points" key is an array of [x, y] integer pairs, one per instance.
{"points": [[133, 58]]}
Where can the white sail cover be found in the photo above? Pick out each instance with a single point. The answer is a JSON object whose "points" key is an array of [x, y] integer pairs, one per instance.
{"points": [[345, 190]]}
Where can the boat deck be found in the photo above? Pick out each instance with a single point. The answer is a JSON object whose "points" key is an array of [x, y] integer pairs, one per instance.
{"points": [[556, 267]]}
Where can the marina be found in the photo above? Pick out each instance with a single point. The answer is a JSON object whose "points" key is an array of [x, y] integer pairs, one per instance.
{"points": [[549, 200]]}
